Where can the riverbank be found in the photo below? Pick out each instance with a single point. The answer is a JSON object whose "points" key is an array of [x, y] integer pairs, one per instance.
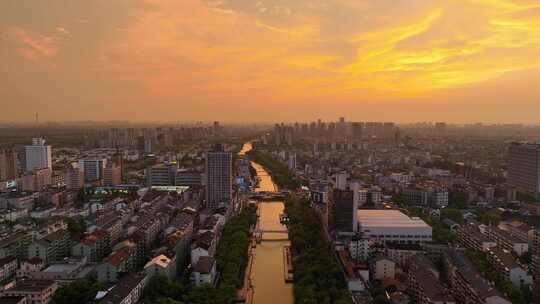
{"points": [[317, 275], [280, 173]]}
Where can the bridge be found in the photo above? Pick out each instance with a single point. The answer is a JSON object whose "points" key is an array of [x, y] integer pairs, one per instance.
{"points": [[260, 233], [268, 195], [271, 231]]}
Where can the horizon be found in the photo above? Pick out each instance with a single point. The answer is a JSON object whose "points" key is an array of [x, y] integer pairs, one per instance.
{"points": [[31, 124]]}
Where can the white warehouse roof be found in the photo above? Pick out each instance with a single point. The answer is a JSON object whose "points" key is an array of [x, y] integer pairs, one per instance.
{"points": [[388, 218]]}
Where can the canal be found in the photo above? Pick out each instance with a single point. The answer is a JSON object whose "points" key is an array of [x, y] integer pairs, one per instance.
{"points": [[267, 271]]}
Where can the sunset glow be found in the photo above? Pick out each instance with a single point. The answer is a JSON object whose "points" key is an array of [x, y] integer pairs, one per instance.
{"points": [[405, 60]]}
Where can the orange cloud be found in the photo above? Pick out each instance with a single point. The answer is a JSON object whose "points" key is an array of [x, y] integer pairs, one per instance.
{"points": [[32, 46], [196, 53]]}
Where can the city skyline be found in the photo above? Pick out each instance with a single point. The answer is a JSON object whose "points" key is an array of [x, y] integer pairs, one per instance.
{"points": [[270, 60]]}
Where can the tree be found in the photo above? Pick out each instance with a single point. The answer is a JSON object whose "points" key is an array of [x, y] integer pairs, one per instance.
{"points": [[491, 217], [167, 301], [82, 197], [453, 214], [76, 226], [381, 299], [80, 291]]}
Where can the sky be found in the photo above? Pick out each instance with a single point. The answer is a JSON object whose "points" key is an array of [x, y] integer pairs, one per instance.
{"points": [[270, 60]]}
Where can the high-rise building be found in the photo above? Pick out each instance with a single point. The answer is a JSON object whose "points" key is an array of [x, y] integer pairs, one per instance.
{"points": [[343, 211], [37, 179], [74, 177], [112, 175], [357, 130], [38, 155], [524, 167], [8, 165], [218, 177], [93, 168]]}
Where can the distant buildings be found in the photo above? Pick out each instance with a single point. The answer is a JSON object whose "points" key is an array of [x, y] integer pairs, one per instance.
{"points": [[93, 169], [218, 177], [38, 155], [524, 167], [161, 174], [74, 177], [9, 169], [37, 179], [112, 175], [420, 195]]}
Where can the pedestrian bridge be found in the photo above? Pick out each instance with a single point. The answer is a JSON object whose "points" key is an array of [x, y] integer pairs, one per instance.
{"points": [[262, 235], [268, 195]]}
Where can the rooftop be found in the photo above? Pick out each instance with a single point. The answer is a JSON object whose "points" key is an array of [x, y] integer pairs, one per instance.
{"points": [[32, 285], [124, 287], [388, 218], [160, 260], [205, 264]]}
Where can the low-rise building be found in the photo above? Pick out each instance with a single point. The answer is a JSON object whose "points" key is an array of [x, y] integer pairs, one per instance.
{"points": [[94, 246], [426, 288], [14, 300], [359, 248], [52, 247], [508, 240], [466, 283], [37, 291], [8, 268], [393, 226], [204, 245], [505, 264], [204, 271], [128, 290], [402, 253], [15, 245], [469, 236], [161, 265], [29, 266], [382, 268], [120, 261]]}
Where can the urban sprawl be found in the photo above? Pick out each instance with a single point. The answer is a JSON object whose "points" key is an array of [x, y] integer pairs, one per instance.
{"points": [[361, 212]]}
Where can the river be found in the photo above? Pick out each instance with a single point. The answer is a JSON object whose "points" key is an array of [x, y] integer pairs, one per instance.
{"points": [[267, 272]]}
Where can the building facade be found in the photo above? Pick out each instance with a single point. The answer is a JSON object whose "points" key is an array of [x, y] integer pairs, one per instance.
{"points": [[218, 177]]}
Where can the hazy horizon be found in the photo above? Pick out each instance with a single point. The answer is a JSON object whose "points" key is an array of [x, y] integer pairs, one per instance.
{"points": [[270, 60]]}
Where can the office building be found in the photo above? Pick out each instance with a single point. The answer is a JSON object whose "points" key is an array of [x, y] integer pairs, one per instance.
{"points": [[161, 174], [112, 175], [188, 178], [218, 177], [74, 177], [8, 165], [393, 226], [37, 179], [524, 167], [38, 155], [93, 169], [343, 214]]}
